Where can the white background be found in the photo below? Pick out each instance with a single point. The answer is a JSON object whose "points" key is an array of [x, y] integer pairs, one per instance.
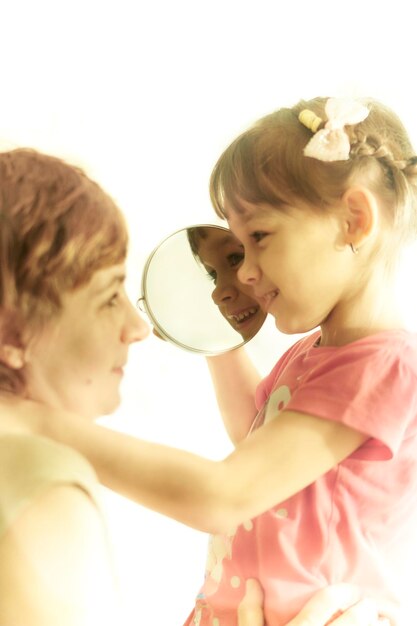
{"points": [[145, 96]]}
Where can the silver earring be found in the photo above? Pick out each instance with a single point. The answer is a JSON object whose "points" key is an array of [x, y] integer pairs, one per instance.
{"points": [[354, 250]]}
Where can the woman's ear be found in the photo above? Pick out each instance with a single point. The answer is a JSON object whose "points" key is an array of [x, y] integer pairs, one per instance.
{"points": [[361, 215], [12, 356]]}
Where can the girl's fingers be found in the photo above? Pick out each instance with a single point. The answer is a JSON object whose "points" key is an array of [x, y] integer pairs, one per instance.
{"points": [[156, 333]]}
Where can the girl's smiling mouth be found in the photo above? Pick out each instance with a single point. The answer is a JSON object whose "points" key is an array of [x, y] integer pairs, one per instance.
{"points": [[267, 299], [242, 316]]}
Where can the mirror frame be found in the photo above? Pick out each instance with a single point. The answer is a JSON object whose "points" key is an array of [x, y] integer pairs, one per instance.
{"points": [[147, 307]]}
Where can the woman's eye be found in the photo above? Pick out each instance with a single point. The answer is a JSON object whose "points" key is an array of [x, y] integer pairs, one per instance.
{"points": [[114, 300], [258, 235]]}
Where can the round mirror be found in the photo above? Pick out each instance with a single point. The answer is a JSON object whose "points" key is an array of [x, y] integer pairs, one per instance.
{"points": [[192, 295]]}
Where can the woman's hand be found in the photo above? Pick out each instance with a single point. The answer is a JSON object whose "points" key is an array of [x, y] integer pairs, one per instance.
{"points": [[338, 605], [250, 611]]}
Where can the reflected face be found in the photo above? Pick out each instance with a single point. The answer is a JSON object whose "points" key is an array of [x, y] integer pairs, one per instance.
{"points": [[76, 360], [221, 255]]}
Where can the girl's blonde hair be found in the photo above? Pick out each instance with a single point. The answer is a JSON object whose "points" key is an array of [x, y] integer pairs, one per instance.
{"points": [[266, 164], [57, 227]]}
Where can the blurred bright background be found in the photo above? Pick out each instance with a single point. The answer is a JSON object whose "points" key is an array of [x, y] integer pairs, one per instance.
{"points": [[145, 96]]}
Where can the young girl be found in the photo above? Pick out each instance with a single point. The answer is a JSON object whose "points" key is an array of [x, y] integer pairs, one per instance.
{"points": [[324, 487]]}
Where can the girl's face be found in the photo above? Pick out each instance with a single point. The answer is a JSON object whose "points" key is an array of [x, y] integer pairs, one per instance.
{"points": [[297, 263], [76, 360], [221, 255]]}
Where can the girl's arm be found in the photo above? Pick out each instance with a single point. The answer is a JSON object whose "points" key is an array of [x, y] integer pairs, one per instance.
{"points": [[275, 462], [55, 566], [235, 379]]}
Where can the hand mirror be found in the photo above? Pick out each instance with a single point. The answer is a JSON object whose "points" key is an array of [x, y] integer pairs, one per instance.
{"points": [[192, 295]]}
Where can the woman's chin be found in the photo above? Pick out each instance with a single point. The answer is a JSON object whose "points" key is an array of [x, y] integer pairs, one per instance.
{"points": [[107, 408]]}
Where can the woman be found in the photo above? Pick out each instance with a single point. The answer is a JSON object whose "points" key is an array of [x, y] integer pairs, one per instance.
{"points": [[66, 326]]}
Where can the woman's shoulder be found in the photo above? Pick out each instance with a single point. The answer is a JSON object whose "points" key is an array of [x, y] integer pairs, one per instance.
{"points": [[54, 546], [42, 457], [30, 465]]}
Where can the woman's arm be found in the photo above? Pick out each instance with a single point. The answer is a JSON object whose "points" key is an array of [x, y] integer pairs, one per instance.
{"points": [[235, 379], [338, 605], [55, 566], [275, 462]]}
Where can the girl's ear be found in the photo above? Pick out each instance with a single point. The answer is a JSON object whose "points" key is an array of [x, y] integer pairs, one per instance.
{"points": [[12, 356], [361, 215]]}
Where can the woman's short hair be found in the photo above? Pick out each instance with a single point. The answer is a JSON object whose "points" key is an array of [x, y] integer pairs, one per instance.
{"points": [[57, 227]]}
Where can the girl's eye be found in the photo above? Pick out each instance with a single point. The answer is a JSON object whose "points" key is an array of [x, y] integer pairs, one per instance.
{"points": [[235, 259], [212, 275], [258, 235]]}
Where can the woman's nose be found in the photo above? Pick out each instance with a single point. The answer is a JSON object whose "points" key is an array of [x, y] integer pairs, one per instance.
{"points": [[135, 329]]}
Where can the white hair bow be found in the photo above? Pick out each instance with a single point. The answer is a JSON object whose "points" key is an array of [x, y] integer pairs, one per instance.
{"points": [[331, 143]]}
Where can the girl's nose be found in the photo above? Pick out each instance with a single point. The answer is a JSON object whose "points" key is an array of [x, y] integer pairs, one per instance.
{"points": [[135, 328], [222, 294], [248, 272]]}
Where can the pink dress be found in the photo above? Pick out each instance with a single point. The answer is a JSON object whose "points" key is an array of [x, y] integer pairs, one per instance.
{"points": [[358, 522]]}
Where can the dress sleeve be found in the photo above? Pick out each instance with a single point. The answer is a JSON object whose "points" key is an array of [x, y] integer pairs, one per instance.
{"points": [[369, 387], [265, 387], [268, 384]]}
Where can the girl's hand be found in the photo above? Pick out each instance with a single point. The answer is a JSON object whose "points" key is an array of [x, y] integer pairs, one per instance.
{"points": [[156, 333], [336, 605]]}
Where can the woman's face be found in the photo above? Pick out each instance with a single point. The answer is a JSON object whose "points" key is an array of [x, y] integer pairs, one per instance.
{"points": [[76, 360]]}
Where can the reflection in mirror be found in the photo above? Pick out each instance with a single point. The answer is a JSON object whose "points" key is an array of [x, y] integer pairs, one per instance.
{"points": [[192, 295]]}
